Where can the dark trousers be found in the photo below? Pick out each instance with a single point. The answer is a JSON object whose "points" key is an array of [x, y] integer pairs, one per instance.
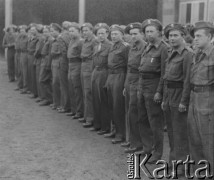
{"points": [[201, 127], [32, 74], [45, 80], [150, 118], [86, 70], [115, 86], [75, 88], [64, 86], [134, 137], [100, 100], [11, 63], [24, 69], [38, 62], [177, 132], [18, 70], [176, 125], [56, 82]]}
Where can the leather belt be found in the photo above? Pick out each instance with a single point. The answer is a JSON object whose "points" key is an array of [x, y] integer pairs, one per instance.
{"points": [[86, 59], [100, 68], [74, 60], [116, 71], [202, 88], [133, 71], [24, 51], [174, 84], [150, 75]]}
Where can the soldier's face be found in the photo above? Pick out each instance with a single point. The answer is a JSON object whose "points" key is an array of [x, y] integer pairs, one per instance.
{"points": [[73, 32], [116, 36], [135, 34], [201, 38], [54, 33], [86, 32], [175, 38], [102, 34], [152, 34], [33, 31], [22, 30], [46, 31]]}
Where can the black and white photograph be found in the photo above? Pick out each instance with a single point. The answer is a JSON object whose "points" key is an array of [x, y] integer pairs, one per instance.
{"points": [[106, 89]]}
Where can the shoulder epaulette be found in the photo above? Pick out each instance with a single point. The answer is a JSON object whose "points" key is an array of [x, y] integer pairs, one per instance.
{"points": [[125, 43], [164, 42]]}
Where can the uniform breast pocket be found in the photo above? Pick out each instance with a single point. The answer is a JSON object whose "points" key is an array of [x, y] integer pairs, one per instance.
{"points": [[117, 56], [207, 70], [176, 67], [153, 64]]}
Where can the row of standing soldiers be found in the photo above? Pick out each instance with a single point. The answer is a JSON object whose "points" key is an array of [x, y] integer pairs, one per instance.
{"points": [[124, 90]]}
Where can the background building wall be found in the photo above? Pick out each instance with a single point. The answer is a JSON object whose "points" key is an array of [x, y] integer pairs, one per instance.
{"points": [[109, 11]]}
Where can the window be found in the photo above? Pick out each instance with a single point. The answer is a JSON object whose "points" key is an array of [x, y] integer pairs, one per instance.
{"points": [[192, 11]]}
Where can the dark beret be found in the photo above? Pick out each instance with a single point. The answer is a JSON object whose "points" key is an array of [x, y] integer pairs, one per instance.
{"points": [[174, 26], [89, 25], [56, 26], [75, 25], [151, 22], [131, 26], [202, 25], [99, 26], [116, 27]]}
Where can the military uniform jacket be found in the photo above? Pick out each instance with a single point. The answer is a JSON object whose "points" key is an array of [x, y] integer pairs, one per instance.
{"points": [[23, 42], [118, 55], [9, 40], [32, 41], [100, 56], [39, 45], [134, 58], [153, 61], [178, 72], [202, 67], [88, 48], [17, 43], [74, 49], [46, 52]]}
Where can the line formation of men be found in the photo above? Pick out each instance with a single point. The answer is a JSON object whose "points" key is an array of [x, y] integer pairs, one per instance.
{"points": [[123, 82]]}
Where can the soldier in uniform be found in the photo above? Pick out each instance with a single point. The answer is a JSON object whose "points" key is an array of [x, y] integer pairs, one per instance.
{"points": [[23, 43], [99, 76], [130, 91], [64, 40], [177, 92], [74, 73], [9, 43], [86, 71], [201, 114], [117, 64], [17, 59], [32, 85], [45, 76], [38, 58], [150, 90], [55, 56]]}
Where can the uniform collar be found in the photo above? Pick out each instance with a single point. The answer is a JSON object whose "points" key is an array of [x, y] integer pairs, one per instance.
{"points": [[156, 44], [180, 49], [138, 45], [89, 38], [208, 50]]}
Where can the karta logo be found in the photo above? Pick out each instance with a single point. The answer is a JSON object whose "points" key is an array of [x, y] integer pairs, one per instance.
{"points": [[135, 168]]}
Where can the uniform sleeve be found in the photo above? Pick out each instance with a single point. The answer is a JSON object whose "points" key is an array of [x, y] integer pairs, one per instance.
{"points": [[186, 74], [164, 55], [39, 46], [4, 42]]}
